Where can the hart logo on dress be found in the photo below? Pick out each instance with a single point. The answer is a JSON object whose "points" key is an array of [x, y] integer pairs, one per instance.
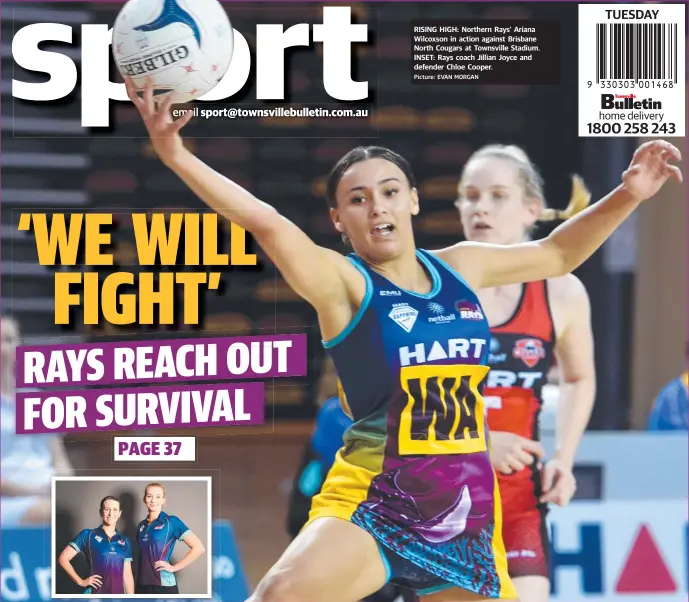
{"points": [[442, 350]]}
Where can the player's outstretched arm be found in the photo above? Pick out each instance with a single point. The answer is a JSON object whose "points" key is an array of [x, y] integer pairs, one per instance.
{"points": [[573, 242], [574, 349], [314, 272]]}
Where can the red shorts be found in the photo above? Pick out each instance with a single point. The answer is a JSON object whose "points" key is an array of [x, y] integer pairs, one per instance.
{"points": [[524, 529]]}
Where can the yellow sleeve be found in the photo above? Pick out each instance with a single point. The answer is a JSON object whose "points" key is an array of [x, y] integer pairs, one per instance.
{"points": [[343, 400]]}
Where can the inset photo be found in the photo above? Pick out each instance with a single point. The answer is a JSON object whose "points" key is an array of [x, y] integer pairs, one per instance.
{"points": [[144, 537]]}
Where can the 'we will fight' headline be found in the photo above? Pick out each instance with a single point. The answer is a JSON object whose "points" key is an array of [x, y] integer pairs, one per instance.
{"points": [[170, 401]]}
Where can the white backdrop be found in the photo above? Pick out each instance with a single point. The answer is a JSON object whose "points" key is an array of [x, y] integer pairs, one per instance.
{"points": [[633, 551]]}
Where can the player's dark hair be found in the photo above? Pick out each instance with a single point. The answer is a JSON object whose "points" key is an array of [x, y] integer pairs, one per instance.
{"points": [[364, 153], [109, 497]]}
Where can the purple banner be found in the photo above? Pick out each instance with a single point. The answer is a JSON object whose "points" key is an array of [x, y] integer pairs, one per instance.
{"points": [[229, 404], [222, 358]]}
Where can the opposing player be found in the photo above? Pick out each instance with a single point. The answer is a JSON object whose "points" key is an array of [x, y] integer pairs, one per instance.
{"points": [[412, 496], [108, 553], [156, 536], [500, 199]]}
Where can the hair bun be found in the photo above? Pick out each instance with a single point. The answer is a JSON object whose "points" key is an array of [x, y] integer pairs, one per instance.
{"points": [[578, 201]]}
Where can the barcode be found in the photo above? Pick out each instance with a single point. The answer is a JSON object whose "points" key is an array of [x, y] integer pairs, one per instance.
{"points": [[634, 51]]}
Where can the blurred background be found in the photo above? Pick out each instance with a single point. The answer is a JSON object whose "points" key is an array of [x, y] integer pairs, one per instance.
{"points": [[636, 282]]}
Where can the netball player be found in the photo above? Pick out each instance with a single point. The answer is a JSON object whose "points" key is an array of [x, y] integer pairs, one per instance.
{"points": [[156, 536], [412, 496], [320, 450], [107, 551], [500, 200], [317, 459]]}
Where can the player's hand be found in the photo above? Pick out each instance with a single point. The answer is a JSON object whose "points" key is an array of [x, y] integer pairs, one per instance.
{"points": [[558, 482], [162, 128], [650, 169], [93, 581], [161, 565], [512, 453]]}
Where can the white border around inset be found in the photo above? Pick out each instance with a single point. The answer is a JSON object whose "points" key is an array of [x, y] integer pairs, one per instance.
{"points": [[209, 537]]}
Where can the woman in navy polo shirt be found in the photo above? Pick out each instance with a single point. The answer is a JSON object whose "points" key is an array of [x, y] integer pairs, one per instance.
{"points": [[108, 552], [156, 537]]}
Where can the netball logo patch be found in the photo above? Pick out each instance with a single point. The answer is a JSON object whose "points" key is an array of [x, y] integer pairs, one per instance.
{"points": [[494, 356], [440, 316], [529, 351]]}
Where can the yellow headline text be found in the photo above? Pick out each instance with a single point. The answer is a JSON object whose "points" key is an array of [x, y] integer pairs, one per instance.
{"points": [[131, 297]]}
